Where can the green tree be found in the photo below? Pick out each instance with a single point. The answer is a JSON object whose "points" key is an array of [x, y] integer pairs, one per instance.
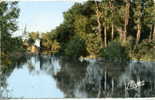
{"points": [[138, 16], [99, 22], [149, 18], [75, 48], [115, 52], [93, 44], [32, 37], [49, 43], [8, 16], [82, 26], [9, 13]]}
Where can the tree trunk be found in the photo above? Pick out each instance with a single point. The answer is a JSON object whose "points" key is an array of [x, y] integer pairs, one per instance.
{"points": [[99, 27], [105, 36], [140, 19], [112, 16], [119, 29], [150, 35], [138, 33], [126, 19], [153, 33], [99, 24], [112, 31]]}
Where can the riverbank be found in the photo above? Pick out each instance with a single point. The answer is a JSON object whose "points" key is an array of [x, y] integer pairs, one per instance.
{"points": [[143, 59], [18, 55], [131, 58]]}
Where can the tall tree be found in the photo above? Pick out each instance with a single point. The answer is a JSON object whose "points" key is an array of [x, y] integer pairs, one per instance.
{"points": [[119, 19], [103, 19], [149, 17], [154, 33], [9, 13], [112, 18], [138, 16], [126, 18], [99, 22]]}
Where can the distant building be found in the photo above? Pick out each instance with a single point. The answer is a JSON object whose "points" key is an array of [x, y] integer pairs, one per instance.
{"points": [[37, 43], [36, 46]]}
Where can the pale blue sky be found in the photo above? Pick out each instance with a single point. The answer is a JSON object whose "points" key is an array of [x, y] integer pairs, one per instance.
{"points": [[41, 16]]}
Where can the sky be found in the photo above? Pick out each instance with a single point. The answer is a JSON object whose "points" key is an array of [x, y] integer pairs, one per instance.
{"points": [[41, 16]]}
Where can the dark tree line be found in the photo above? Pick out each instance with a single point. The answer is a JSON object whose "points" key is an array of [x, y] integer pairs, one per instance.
{"points": [[90, 29], [129, 23], [9, 12]]}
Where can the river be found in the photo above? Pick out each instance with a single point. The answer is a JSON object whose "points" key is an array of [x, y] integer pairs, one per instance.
{"points": [[55, 77]]}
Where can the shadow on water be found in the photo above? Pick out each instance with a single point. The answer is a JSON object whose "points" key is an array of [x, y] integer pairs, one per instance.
{"points": [[100, 79], [76, 79], [6, 68]]}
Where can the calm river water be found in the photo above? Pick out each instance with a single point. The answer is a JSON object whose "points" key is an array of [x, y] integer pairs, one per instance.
{"points": [[53, 77]]}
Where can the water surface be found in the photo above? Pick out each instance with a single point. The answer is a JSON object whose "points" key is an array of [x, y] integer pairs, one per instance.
{"points": [[54, 77]]}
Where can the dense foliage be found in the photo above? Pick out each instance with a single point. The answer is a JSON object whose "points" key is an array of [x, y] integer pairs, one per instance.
{"points": [[104, 28], [9, 13], [75, 47], [115, 52], [99, 23]]}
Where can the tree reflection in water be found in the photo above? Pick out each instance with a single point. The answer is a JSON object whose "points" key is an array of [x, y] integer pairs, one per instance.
{"points": [[87, 79], [99, 79], [6, 68]]}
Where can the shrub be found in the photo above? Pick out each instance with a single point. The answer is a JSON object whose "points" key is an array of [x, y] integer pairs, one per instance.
{"points": [[93, 44], [75, 48], [115, 52], [145, 50]]}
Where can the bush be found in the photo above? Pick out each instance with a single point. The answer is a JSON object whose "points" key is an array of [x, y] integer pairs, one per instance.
{"points": [[115, 52], [93, 44], [75, 48], [145, 51]]}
